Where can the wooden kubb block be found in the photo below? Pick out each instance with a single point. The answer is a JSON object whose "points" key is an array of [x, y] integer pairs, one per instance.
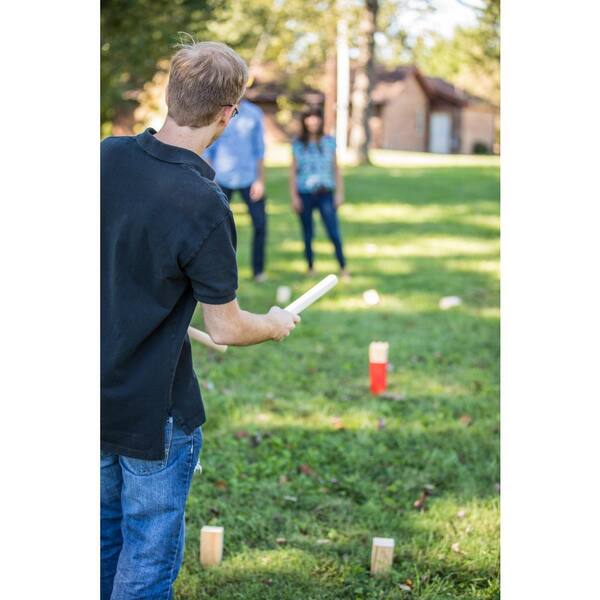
{"points": [[211, 545], [382, 555]]}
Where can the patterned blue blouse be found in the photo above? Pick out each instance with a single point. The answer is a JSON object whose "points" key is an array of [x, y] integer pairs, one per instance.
{"points": [[314, 164]]}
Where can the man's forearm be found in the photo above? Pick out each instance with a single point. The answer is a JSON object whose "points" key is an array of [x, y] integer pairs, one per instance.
{"points": [[230, 325], [248, 329]]}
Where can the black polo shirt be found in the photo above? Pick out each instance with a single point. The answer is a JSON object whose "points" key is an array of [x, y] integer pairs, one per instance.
{"points": [[168, 240]]}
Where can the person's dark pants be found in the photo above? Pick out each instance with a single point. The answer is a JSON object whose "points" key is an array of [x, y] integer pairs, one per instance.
{"points": [[258, 214], [324, 202]]}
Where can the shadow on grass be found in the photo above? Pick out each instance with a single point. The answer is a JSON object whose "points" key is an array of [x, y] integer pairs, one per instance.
{"points": [[397, 230], [327, 492], [297, 448]]}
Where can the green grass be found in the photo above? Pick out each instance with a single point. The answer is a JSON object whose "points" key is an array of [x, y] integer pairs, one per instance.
{"points": [[435, 227]]}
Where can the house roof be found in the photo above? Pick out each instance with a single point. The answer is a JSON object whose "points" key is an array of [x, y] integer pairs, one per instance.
{"points": [[388, 83], [443, 90], [270, 91]]}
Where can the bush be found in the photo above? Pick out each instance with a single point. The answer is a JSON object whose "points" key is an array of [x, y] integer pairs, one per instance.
{"points": [[481, 148]]}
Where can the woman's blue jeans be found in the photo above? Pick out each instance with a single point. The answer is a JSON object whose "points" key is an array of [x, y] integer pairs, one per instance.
{"points": [[324, 202], [143, 520]]}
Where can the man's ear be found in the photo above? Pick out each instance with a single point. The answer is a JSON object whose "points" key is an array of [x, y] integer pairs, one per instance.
{"points": [[222, 116]]}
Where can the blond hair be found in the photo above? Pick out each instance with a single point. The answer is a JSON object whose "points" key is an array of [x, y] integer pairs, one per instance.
{"points": [[204, 77]]}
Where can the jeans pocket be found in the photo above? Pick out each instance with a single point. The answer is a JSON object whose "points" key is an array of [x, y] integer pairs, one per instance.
{"points": [[197, 444], [140, 466]]}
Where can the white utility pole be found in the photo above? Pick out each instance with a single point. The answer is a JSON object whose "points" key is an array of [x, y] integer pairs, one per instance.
{"points": [[343, 83]]}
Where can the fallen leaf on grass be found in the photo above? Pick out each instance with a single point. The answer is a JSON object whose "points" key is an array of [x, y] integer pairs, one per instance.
{"points": [[465, 420], [396, 396], [421, 501], [221, 484], [305, 470], [337, 423]]}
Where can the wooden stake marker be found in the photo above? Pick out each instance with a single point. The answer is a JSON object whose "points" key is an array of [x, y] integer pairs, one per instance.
{"points": [[211, 545], [382, 555], [378, 359]]}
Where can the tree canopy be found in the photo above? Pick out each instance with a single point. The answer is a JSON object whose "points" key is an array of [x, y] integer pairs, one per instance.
{"points": [[471, 58], [294, 37], [135, 36]]}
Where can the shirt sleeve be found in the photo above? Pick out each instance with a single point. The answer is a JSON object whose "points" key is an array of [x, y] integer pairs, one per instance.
{"points": [[213, 269], [258, 138]]}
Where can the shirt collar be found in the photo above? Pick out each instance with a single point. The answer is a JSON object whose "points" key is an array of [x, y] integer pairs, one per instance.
{"points": [[173, 154]]}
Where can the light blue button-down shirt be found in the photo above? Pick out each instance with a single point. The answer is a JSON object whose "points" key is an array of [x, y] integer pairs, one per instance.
{"points": [[235, 155]]}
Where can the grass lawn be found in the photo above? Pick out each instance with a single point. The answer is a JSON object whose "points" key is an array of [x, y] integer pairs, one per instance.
{"points": [[294, 446]]}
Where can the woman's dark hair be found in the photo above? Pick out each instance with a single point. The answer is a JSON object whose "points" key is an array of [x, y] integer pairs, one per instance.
{"points": [[304, 134]]}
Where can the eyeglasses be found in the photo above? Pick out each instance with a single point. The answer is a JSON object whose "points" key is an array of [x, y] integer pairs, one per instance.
{"points": [[235, 110]]}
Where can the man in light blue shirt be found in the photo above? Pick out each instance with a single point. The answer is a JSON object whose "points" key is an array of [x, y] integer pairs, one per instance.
{"points": [[238, 159]]}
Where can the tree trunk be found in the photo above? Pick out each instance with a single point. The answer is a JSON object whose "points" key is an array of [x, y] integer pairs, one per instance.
{"points": [[363, 84], [330, 94]]}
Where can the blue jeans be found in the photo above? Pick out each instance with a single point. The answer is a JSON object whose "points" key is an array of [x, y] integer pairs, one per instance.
{"points": [[143, 520], [324, 202], [258, 215]]}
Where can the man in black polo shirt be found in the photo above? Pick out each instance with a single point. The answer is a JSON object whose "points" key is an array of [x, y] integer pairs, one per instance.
{"points": [[168, 242]]}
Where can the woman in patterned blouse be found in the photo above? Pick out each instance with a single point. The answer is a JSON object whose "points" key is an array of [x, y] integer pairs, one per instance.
{"points": [[316, 182]]}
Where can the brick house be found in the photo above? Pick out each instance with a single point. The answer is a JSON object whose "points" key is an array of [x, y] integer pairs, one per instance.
{"points": [[410, 112]]}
